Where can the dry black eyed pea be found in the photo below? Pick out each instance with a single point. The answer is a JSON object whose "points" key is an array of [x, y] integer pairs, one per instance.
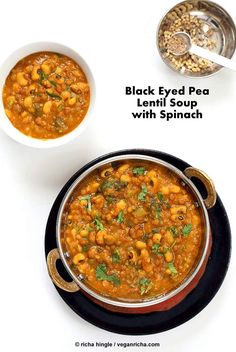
{"points": [[178, 21]]}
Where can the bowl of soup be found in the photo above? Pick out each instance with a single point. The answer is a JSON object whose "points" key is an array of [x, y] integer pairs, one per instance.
{"points": [[47, 92], [133, 232]]}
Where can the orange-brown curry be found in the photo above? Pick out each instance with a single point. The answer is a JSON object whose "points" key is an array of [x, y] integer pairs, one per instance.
{"points": [[133, 230], [46, 95]]}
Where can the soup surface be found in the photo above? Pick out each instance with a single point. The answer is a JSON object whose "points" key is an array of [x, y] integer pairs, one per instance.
{"points": [[133, 230], [46, 95]]}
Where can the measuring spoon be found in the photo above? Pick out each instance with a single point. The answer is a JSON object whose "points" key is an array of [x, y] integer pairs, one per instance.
{"points": [[189, 47]]}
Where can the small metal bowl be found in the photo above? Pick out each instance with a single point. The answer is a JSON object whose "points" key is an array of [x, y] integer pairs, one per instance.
{"points": [[215, 18]]}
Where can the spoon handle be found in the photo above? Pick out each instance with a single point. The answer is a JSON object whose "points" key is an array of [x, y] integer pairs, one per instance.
{"points": [[209, 55]]}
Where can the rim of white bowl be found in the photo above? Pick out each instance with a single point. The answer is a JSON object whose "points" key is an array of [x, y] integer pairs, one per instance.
{"points": [[5, 69]]}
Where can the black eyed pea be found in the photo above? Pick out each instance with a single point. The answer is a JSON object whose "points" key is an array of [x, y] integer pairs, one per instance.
{"points": [[46, 69], [177, 217], [24, 114], [169, 238], [78, 258], [121, 205], [133, 256], [83, 267], [106, 172], [140, 244], [94, 187], [11, 100], [59, 79], [165, 190], [156, 238], [46, 83], [144, 253], [83, 202], [65, 95], [100, 237], [174, 189], [31, 89], [72, 101], [79, 247], [8, 113], [125, 178], [68, 240], [28, 102], [78, 87], [73, 232], [168, 256], [29, 68], [196, 220], [16, 87], [34, 73], [123, 168], [84, 233], [47, 107], [21, 79], [178, 209], [152, 175], [58, 70], [109, 239], [28, 118]]}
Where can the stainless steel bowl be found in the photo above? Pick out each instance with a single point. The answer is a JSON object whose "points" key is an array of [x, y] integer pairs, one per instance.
{"points": [[216, 18], [139, 306]]}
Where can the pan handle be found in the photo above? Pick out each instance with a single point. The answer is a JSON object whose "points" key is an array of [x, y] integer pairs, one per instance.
{"points": [[210, 201], [52, 258]]}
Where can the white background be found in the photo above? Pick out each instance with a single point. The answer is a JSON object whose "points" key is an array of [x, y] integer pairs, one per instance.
{"points": [[117, 39]]}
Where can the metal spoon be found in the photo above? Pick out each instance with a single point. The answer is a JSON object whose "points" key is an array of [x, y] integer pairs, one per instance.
{"points": [[189, 47]]}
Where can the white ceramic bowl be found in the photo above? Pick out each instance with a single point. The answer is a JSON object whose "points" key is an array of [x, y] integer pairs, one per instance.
{"points": [[5, 69]]}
